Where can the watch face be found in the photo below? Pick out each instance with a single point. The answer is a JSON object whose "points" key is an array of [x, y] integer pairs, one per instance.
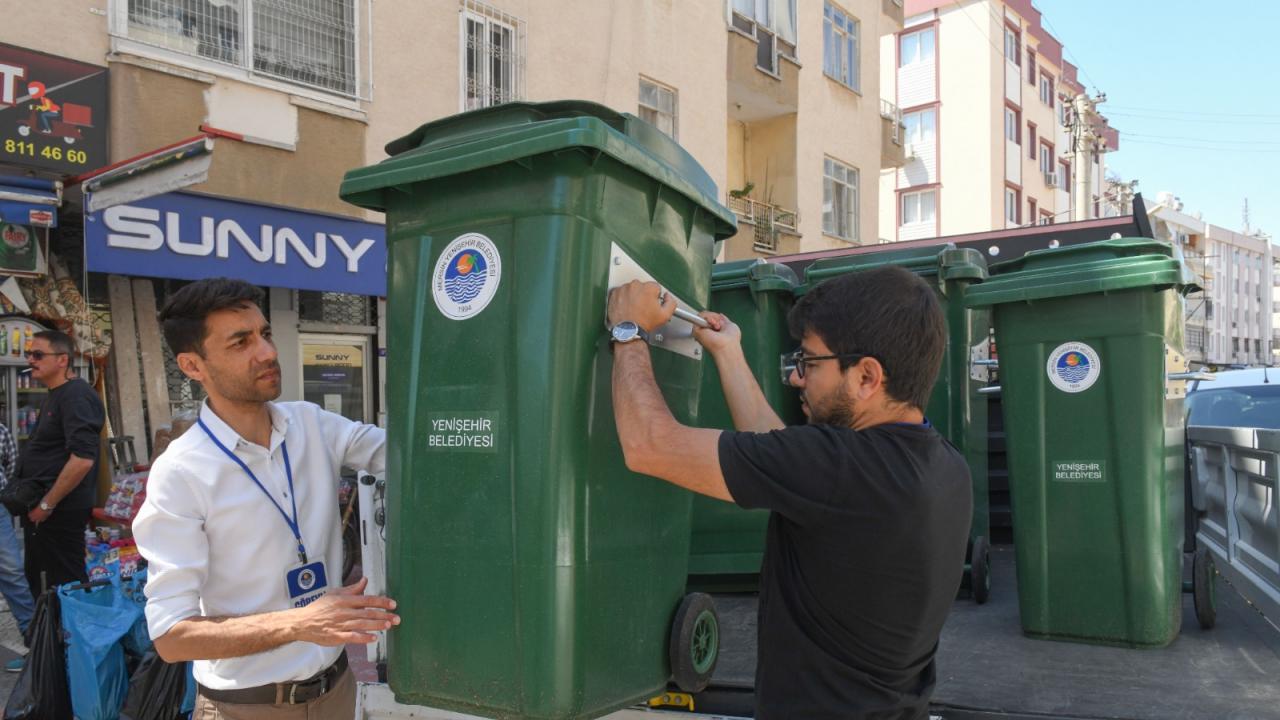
{"points": [[625, 331]]}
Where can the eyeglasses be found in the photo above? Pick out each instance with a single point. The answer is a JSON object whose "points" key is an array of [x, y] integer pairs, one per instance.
{"points": [[796, 361], [39, 355]]}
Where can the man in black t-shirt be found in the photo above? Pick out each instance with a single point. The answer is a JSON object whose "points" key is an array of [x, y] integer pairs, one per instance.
{"points": [[62, 457], [870, 505]]}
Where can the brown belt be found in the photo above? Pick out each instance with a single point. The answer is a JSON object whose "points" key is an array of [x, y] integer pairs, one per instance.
{"points": [[290, 693]]}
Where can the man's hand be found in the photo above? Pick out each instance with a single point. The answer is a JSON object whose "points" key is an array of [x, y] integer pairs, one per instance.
{"points": [[345, 615], [722, 334], [643, 303], [37, 516]]}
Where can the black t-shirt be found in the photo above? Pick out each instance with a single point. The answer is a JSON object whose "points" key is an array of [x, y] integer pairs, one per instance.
{"points": [[71, 420], [864, 555]]}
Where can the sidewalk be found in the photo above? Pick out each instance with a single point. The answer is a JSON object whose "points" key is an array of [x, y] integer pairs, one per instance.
{"points": [[10, 648]]}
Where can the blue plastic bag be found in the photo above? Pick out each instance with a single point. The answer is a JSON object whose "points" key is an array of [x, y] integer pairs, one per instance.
{"points": [[137, 641], [95, 617]]}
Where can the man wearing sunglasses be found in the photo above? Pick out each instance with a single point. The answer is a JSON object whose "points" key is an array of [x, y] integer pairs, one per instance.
{"points": [[870, 506], [62, 457]]}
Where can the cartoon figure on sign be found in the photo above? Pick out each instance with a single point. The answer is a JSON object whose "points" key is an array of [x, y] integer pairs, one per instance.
{"points": [[62, 121], [46, 109], [465, 279]]}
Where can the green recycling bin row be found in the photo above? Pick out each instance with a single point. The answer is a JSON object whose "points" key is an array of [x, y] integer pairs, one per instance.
{"points": [[536, 576], [1086, 337]]}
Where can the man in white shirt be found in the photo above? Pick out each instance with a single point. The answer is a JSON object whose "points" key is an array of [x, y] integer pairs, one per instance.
{"points": [[240, 527]]}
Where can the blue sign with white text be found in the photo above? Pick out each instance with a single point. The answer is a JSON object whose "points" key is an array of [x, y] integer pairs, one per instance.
{"points": [[190, 237]]}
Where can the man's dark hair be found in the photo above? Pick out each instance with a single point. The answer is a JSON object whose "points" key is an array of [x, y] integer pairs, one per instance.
{"points": [[887, 312], [59, 341], [184, 313]]}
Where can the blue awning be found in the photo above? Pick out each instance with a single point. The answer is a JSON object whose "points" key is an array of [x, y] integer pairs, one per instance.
{"points": [[30, 201]]}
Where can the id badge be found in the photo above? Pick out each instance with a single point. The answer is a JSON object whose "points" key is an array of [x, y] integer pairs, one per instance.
{"points": [[306, 583]]}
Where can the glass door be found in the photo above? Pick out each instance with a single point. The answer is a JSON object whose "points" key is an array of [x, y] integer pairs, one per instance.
{"points": [[335, 374]]}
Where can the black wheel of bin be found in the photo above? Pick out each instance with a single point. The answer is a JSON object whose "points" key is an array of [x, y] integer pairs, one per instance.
{"points": [[1203, 577], [980, 570], [695, 642]]}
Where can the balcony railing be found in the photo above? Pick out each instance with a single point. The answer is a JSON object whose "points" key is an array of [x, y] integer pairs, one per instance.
{"points": [[893, 113], [767, 221], [762, 213]]}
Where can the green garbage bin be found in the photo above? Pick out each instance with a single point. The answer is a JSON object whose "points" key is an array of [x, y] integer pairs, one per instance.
{"points": [[535, 576], [956, 408], [727, 542], [1085, 336]]}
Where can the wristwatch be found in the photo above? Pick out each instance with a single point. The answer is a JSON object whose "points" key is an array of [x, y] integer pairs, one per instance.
{"points": [[46, 506], [627, 331]]}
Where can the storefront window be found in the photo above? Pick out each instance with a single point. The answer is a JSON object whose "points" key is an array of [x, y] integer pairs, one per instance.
{"points": [[334, 374]]}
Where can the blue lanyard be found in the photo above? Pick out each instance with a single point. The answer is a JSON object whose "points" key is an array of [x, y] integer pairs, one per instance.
{"points": [[292, 522]]}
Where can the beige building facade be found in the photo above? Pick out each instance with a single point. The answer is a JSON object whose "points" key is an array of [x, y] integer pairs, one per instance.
{"points": [[779, 100], [988, 104]]}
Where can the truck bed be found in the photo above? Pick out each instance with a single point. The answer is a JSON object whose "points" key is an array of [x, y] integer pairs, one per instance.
{"points": [[988, 669]]}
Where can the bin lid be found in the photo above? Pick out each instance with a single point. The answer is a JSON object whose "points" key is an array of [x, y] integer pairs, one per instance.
{"points": [[513, 131], [758, 274], [1098, 267], [945, 262]]}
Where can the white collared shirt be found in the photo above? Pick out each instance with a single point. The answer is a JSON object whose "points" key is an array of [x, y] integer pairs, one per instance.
{"points": [[216, 546]]}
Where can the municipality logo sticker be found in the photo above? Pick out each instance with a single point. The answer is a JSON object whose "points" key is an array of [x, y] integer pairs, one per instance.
{"points": [[466, 276], [1074, 367]]}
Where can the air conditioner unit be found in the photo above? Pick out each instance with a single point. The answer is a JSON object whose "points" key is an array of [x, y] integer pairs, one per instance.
{"points": [[1051, 179]]}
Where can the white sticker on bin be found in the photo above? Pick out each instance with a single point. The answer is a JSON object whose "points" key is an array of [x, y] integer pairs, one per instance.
{"points": [[466, 276], [677, 335]]}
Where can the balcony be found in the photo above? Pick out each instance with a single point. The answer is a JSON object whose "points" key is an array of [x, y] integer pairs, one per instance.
{"points": [[892, 152], [763, 82], [772, 229]]}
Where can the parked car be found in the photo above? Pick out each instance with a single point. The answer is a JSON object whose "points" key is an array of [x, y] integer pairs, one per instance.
{"points": [[1236, 398]]}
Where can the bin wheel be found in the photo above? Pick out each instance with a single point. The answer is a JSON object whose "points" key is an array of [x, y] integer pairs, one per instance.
{"points": [[1203, 576], [695, 642], [980, 570]]}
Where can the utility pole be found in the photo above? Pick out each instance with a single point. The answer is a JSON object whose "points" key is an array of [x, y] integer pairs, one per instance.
{"points": [[1084, 143], [1245, 231]]}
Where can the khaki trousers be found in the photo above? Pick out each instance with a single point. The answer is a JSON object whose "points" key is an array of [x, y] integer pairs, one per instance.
{"points": [[337, 704]]}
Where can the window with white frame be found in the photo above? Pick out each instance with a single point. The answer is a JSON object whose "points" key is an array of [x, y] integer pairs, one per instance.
{"points": [[772, 23], [1011, 208], [1012, 122], [658, 106], [919, 207], [839, 200], [492, 62], [1046, 89], [306, 42], [917, 47], [840, 46], [921, 127], [1012, 46], [1046, 158]]}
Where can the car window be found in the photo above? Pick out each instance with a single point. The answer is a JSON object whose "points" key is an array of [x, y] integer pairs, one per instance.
{"points": [[1257, 406]]}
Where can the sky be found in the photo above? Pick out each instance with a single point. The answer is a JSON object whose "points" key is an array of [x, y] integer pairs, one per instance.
{"points": [[1195, 94]]}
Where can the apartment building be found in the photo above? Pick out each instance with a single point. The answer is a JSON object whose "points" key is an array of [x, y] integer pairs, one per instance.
{"points": [[1232, 322], [807, 133], [991, 109]]}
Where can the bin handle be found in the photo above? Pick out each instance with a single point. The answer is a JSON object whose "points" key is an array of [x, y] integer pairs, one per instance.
{"points": [[692, 318], [989, 390], [986, 363]]}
